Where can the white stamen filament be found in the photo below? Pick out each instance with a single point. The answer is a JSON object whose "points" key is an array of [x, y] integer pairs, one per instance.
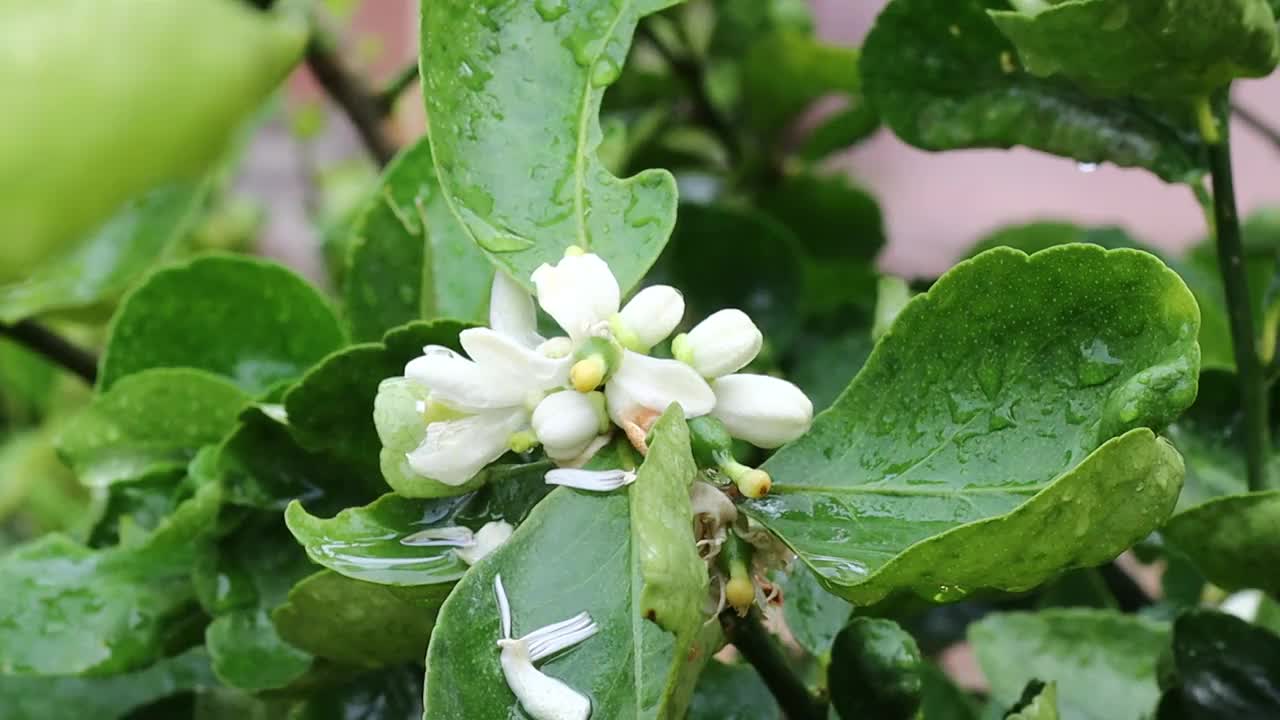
{"points": [[592, 480], [541, 696], [452, 536]]}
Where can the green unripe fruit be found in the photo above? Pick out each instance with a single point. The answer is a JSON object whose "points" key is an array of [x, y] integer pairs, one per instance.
{"points": [[710, 441], [105, 99], [875, 671]]}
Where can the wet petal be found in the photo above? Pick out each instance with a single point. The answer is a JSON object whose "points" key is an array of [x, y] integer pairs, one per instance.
{"points": [[579, 292], [643, 382], [518, 363], [454, 451], [512, 312], [722, 343], [466, 385]]}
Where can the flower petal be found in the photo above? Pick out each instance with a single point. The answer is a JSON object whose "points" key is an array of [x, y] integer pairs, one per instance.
{"points": [[520, 364], [765, 411], [455, 450], [593, 480], [653, 314], [579, 292], [488, 538], [512, 312], [653, 383], [565, 423], [466, 385]]}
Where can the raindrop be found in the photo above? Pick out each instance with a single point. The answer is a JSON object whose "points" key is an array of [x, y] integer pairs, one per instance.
{"points": [[1087, 167], [604, 72], [550, 10]]}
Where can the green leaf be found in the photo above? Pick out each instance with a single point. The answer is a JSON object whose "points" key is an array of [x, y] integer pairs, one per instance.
{"points": [[359, 623], [1232, 540], [48, 698], [249, 320], [742, 23], [875, 671], [1039, 702], [822, 364], [27, 383], [732, 692], [1024, 386], [151, 422], [68, 609], [843, 129], [672, 577], [518, 167], [365, 543], [1103, 663], [941, 699], [392, 694], [630, 669], [410, 259], [102, 266], [249, 654], [331, 407], [785, 72], [832, 218], [814, 616], [1225, 668], [943, 77], [1108, 46]]}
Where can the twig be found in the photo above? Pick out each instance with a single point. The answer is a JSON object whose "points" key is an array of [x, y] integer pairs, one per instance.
{"points": [[394, 89], [44, 341], [1255, 121], [1215, 128], [691, 73], [751, 639], [349, 92]]}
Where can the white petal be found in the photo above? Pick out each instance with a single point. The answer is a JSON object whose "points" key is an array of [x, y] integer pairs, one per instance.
{"points": [[765, 411], [541, 696], [565, 423], [466, 385], [723, 343], [653, 313], [455, 450], [511, 311], [579, 292], [450, 535], [519, 364], [654, 383], [488, 538], [593, 480]]}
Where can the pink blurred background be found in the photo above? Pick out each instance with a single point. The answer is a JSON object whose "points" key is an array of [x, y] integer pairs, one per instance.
{"points": [[935, 204]]}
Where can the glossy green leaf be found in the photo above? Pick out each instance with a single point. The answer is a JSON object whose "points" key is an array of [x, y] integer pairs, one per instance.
{"points": [[1210, 437], [1108, 47], [831, 216], [843, 129], [359, 623], [365, 543], [103, 265], [1232, 540], [630, 669], [249, 654], [1103, 663], [875, 671], [518, 165], [150, 422], [785, 72], [249, 320], [732, 692], [814, 616], [943, 77], [104, 698], [1025, 385], [1039, 702], [741, 23], [1224, 668], [410, 259], [68, 609], [331, 407]]}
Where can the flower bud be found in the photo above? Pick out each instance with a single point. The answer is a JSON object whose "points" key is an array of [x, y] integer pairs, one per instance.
{"points": [[398, 413], [648, 318], [567, 421], [723, 343], [765, 411]]}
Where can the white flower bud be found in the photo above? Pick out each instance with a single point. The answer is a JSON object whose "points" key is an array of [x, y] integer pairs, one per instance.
{"points": [[765, 411], [398, 413], [723, 343], [649, 317], [488, 538], [567, 421]]}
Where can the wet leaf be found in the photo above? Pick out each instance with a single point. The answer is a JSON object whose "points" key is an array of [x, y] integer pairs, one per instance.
{"points": [[875, 671], [410, 259], [1232, 539], [1103, 663], [391, 694], [814, 616], [943, 77], [1224, 668], [785, 72], [732, 692], [1025, 385], [519, 168], [252, 321]]}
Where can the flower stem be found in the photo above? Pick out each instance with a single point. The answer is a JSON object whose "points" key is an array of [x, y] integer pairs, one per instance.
{"points": [[54, 347], [750, 638], [1253, 395]]}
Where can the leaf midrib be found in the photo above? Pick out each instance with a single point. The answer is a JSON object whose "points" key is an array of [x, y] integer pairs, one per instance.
{"points": [[584, 114], [907, 492]]}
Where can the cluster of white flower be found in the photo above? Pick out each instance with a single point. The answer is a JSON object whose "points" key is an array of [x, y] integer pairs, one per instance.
{"points": [[449, 416]]}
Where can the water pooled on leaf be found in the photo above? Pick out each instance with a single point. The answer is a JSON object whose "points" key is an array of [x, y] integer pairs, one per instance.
{"points": [[1097, 364]]}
